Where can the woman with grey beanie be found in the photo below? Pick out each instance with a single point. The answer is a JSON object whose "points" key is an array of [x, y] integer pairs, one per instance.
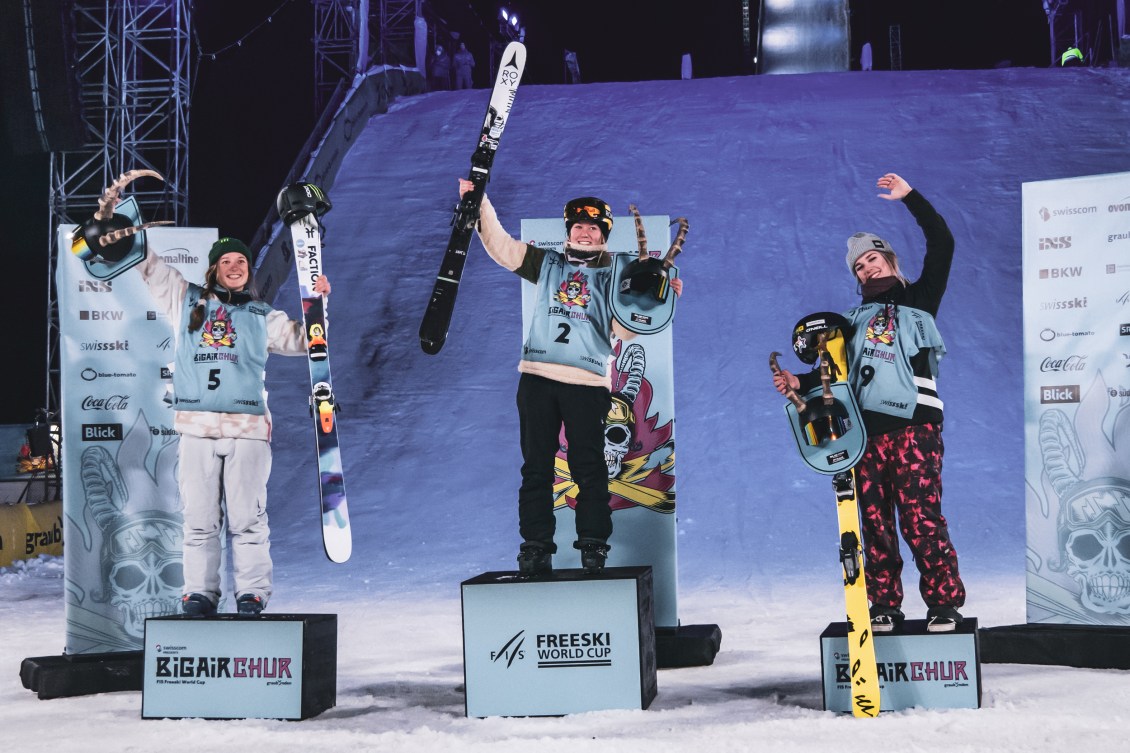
{"points": [[893, 350]]}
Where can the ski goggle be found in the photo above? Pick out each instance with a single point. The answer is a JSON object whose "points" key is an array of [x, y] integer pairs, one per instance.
{"points": [[1097, 501], [825, 424], [579, 212], [620, 412]]}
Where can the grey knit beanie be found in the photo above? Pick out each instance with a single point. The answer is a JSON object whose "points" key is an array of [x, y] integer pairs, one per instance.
{"points": [[861, 243]]}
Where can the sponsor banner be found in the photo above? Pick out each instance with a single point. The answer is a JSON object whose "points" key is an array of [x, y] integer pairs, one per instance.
{"points": [[121, 511], [1076, 394], [550, 647], [27, 531], [223, 669], [640, 434]]}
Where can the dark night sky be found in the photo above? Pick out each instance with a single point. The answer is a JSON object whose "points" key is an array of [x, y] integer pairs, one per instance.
{"points": [[252, 104]]}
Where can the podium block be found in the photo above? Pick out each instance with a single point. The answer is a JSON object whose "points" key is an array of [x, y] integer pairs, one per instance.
{"points": [[278, 666], [917, 669], [562, 644]]}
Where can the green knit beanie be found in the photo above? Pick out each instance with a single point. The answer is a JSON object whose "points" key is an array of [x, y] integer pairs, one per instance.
{"points": [[228, 246]]}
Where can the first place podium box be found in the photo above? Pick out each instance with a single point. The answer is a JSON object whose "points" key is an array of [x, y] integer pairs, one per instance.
{"points": [[275, 666], [917, 669], [560, 644]]}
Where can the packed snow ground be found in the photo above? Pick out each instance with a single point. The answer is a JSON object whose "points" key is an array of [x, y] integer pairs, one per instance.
{"points": [[773, 173], [400, 676]]}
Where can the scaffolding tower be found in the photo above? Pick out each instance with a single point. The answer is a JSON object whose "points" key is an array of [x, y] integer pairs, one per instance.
{"points": [[134, 80], [351, 35], [895, 42]]}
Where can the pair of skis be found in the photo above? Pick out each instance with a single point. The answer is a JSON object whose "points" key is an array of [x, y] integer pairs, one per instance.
{"points": [[301, 205], [437, 317], [828, 428]]}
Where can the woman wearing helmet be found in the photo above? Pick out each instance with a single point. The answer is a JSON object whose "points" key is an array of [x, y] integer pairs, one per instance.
{"points": [[894, 350], [565, 375]]}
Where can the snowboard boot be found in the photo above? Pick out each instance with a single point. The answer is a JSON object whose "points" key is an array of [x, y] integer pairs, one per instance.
{"points": [[594, 552], [197, 605], [249, 605], [534, 559], [942, 619], [885, 619]]}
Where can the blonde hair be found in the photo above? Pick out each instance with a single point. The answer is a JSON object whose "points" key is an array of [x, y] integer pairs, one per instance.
{"points": [[893, 261]]}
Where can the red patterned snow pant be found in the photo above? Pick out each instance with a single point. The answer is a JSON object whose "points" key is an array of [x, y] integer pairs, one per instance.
{"points": [[902, 471]]}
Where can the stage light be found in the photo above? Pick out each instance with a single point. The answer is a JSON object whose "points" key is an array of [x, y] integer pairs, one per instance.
{"points": [[514, 20]]}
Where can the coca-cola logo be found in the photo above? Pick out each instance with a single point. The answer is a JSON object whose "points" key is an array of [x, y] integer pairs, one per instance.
{"points": [[1070, 363], [113, 402]]}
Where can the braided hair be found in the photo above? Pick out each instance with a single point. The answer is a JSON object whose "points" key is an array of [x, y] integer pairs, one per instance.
{"points": [[213, 289]]}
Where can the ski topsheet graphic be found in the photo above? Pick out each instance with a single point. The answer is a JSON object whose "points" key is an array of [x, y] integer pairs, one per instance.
{"points": [[300, 206], [437, 317], [828, 429]]}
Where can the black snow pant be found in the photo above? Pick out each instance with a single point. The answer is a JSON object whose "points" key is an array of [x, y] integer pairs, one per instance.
{"points": [[543, 406]]}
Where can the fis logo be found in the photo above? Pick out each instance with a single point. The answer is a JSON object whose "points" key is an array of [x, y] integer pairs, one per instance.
{"points": [[1062, 241], [1057, 273], [95, 286], [511, 651]]}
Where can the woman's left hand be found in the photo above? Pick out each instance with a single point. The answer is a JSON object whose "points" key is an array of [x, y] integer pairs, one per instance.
{"points": [[677, 286], [322, 285]]}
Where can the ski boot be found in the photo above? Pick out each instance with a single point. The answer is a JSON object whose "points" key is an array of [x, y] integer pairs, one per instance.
{"points": [[197, 605], [942, 619], [885, 619], [534, 559], [249, 605], [594, 552]]}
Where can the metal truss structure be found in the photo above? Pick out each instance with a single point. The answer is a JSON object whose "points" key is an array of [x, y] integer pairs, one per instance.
{"points": [[134, 78], [351, 35]]}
